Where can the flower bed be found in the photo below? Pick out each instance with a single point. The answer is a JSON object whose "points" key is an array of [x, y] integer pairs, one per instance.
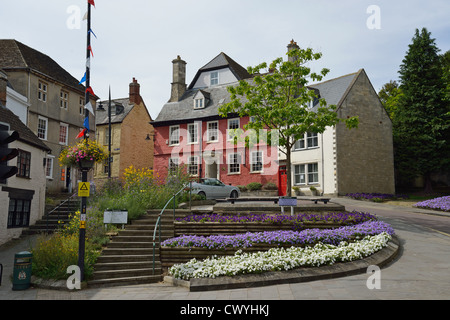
{"points": [[280, 259], [281, 237], [298, 222], [442, 203], [375, 197]]}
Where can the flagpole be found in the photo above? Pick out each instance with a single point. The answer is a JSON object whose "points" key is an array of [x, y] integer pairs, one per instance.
{"points": [[84, 171]]}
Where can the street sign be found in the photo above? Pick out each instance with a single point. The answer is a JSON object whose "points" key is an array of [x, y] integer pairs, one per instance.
{"points": [[84, 189]]}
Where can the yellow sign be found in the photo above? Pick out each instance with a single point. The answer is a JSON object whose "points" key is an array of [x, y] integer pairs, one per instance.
{"points": [[84, 189]]}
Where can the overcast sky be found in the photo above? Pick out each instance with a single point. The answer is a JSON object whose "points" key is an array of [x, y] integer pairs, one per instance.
{"points": [[140, 38]]}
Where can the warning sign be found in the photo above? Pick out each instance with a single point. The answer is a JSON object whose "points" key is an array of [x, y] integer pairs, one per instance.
{"points": [[84, 189]]}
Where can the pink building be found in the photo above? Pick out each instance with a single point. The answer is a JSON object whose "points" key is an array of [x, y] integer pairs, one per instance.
{"points": [[190, 131]]}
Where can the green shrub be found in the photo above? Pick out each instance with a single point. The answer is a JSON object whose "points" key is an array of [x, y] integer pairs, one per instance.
{"points": [[242, 188], [254, 186], [270, 186]]}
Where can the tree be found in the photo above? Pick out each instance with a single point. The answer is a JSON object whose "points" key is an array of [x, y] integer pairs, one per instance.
{"points": [[389, 95], [279, 101], [422, 122]]}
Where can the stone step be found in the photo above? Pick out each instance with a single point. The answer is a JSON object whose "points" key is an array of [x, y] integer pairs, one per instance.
{"points": [[129, 258], [125, 281], [126, 273], [111, 266]]}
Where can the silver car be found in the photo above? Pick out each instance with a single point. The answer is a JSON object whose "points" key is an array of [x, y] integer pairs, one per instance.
{"points": [[214, 189]]}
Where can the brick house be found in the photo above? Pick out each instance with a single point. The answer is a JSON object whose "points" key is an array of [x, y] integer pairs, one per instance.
{"points": [[56, 105], [190, 131], [131, 134]]}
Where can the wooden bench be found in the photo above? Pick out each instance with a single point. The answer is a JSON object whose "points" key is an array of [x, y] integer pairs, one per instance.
{"points": [[324, 200]]}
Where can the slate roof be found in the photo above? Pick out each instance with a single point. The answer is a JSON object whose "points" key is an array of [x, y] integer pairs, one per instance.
{"points": [[220, 62], [334, 91], [16, 55], [25, 133], [101, 117]]}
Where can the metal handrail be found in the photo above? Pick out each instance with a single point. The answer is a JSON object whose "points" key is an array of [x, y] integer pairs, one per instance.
{"points": [[68, 200], [158, 221]]}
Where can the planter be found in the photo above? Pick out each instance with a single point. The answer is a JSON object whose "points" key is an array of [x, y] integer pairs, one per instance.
{"points": [[86, 164], [259, 193]]}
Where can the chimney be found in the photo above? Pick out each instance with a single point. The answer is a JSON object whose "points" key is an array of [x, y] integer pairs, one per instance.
{"points": [[3, 85], [291, 46], [135, 95], [179, 80]]}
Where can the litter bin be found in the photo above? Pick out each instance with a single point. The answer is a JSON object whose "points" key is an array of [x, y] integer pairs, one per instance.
{"points": [[22, 271]]}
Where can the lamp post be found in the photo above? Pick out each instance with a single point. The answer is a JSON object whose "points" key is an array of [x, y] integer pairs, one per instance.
{"points": [[100, 107]]}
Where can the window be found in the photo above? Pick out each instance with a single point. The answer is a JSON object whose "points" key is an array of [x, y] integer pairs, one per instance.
{"points": [[214, 78], [23, 164], [18, 213], [63, 133], [313, 173], [81, 105], [233, 124], [312, 139], [213, 131], [256, 161], [306, 173], [299, 174], [49, 167], [64, 99], [198, 103], [193, 166], [42, 128], [174, 132], [42, 91], [234, 163], [173, 165], [193, 133]]}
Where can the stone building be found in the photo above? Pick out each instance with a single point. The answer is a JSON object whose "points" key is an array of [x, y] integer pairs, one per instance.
{"points": [[56, 105], [132, 134]]}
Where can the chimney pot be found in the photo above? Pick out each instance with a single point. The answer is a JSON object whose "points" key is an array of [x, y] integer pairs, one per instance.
{"points": [[135, 95]]}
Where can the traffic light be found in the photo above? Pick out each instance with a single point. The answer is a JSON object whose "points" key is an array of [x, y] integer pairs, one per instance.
{"points": [[7, 154]]}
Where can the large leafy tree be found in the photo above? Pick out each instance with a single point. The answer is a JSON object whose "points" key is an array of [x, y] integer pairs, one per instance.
{"points": [[422, 119], [389, 95], [278, 99]]}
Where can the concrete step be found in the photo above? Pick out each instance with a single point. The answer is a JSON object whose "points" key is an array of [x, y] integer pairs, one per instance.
{"points": [[125, 281]]}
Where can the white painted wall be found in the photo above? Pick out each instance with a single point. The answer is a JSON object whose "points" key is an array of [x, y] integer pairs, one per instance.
{"points": [[225, 77], [18, 104]]}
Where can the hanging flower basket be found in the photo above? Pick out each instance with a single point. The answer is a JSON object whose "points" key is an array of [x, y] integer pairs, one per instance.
{"points": [[83, 155]]}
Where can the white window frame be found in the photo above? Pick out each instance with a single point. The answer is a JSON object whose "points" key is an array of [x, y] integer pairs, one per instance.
{"points": [[214, 78], [66, 138], [192, 135], [234, 159], [173, 165], [309, 174], [193, 163], [42, 91], [42, 132], [312, 140], [199, 103], [174, 140], [50, 160], [210, 131], [81, 103], [254, 155], [230, 122]]}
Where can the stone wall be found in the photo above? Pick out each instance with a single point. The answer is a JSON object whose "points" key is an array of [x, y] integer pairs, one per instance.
{"points": [[365, 160]]}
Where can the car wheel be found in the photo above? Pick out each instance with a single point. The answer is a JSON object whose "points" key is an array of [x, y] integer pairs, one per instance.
{"points": [[234, 194], [202, 194]]}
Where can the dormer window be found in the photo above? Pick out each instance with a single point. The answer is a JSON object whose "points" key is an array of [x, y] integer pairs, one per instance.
{"points": [[198, 103], [201, 99], [214, 80]]}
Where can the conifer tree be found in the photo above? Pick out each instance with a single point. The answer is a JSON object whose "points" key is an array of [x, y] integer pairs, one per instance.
{"points": [[421, 122]]}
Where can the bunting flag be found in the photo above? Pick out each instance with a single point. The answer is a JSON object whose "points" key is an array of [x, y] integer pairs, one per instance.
{"points": [[85, 16], [86, 123], [90, 30], [83, 79], [81, 134], [90, 49], [88, 63], [91, 2], [89, 107], [89, 89]]}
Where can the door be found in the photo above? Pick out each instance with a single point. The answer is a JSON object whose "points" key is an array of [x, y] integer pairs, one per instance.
{"points": [[282, 181]]}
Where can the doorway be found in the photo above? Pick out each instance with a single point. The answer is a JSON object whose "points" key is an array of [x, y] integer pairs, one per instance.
{"points": [[282, 181]]}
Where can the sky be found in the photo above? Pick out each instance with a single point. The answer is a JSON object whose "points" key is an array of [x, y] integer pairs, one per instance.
{"points": [[140, 38]]}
